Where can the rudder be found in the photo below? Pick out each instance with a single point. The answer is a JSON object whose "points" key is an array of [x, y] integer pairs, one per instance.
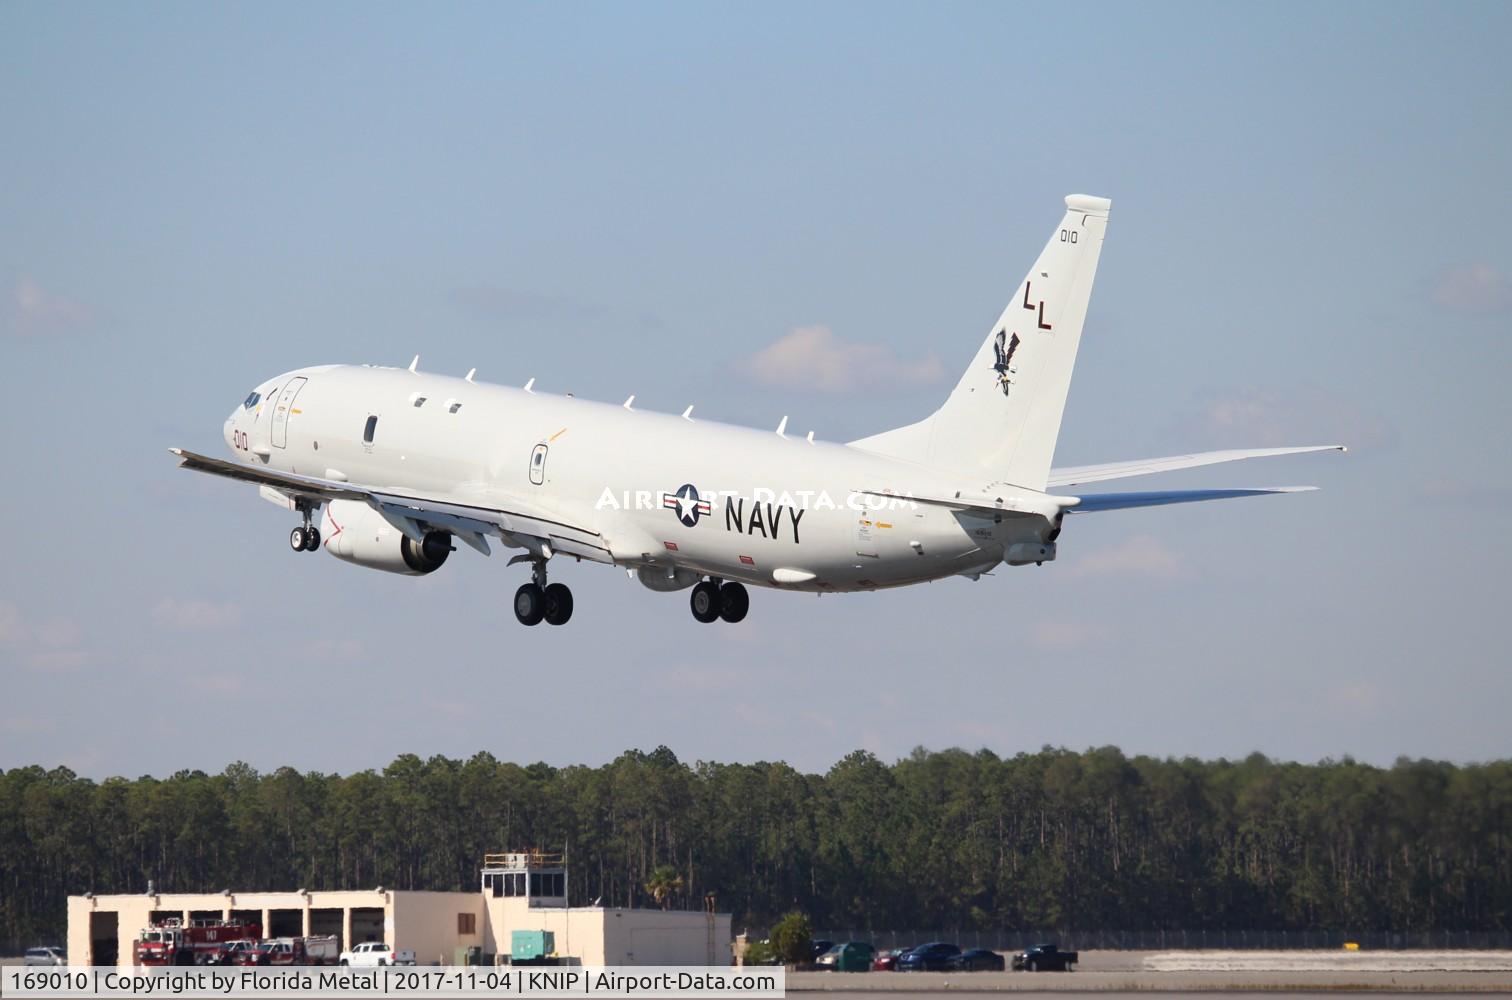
{"points": [[1003, 417]]}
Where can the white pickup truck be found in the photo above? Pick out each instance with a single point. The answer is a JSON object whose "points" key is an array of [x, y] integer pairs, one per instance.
{"points": [[372, 953]]}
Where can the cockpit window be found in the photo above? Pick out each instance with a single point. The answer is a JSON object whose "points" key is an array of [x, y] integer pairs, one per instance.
{"points": [[252, 400]]}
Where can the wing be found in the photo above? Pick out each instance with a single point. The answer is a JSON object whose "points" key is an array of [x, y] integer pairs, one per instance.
{"points": [[1121, 470], [513, 521], [1157, 498]]}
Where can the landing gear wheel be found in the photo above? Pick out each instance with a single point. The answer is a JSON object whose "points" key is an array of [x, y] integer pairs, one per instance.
{"points": [[705, 602], [530, 604], [734, 602], [297, 539], [558, 604], [312, 539]]}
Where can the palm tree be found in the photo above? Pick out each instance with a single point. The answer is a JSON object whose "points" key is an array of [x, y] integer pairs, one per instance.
{"points": [[663, 883]]}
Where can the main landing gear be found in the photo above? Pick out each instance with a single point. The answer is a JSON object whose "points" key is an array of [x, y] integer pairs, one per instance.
{"points": [[306, 537], [538, 601], [712, 599]]}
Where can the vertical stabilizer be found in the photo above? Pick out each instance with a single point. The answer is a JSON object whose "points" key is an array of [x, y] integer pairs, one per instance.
{"points": [[1003, 417]]}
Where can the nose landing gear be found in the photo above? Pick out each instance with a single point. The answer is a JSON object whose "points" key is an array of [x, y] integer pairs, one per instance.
{"points": [[712, 600], [539, 601]]}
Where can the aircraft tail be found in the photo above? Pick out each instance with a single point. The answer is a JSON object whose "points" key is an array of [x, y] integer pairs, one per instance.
{"points": [[1003, 417]]}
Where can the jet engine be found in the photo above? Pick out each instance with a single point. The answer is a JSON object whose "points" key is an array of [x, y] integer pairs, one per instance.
{"points": [[356, 533]]}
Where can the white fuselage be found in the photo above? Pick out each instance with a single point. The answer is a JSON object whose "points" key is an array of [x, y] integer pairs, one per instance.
{"points": [[781, 511]]}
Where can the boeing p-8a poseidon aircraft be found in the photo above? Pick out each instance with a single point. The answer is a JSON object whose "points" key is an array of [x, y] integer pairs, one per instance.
{"points": [[404, 463]]}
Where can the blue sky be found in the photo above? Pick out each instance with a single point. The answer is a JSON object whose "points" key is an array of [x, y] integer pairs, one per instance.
{"points": [[1308, 244]]}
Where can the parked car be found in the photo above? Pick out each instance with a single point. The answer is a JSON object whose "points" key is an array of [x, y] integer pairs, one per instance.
{"points": [[228, 952], [887, 960], [1043, 958], [277, 951], [46, 956], [374, 953], [817, 948], [852, 956], [933, 957], [978, 960]]}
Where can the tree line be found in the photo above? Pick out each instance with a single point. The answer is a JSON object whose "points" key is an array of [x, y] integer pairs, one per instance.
{"points": [[1054, 839]]}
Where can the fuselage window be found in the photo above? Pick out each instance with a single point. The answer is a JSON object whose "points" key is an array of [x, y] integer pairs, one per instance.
{"points": [[368, 431], [252, 400], [454, 408], [419, 401]]}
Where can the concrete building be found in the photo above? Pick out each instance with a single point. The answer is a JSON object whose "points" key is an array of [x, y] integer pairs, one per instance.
{"points": [[520, 892]]}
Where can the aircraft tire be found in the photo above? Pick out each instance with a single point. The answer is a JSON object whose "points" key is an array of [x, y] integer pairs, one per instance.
{"points": [[734, 602], [312, 539], [558, 604], [297, 539], [705, 602], [530, 604]]}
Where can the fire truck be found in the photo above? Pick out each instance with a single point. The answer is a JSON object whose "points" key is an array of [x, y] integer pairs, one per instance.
{"points": [[172, 942]]}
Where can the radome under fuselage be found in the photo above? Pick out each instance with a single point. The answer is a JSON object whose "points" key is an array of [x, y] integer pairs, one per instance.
{"points": [[777, 504]]}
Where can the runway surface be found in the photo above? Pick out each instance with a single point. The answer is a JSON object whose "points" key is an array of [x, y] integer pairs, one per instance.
{"points": [[1202, 973]]}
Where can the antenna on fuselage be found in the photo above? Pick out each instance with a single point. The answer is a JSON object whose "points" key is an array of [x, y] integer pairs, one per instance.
{"points": [[415, 365], [530, 386], [688, 413], [629, 401], [470, 373], [782, 428], [810, 437]]}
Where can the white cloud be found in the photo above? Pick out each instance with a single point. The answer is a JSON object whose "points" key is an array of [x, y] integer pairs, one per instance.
{"points": [[1467, 493], [222, 685], [53, 645], [57, 633], [194, 616], [25, 725], [335, 650], [1358, 697], [1473, 288], [13, 630], [812, 357], [1140, 555], [36, 310], [58, 660], [1258, 418]]}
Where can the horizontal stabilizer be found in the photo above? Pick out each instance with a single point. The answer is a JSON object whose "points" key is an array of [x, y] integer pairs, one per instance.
{"points": [[1142, 467], [1157, 498]]}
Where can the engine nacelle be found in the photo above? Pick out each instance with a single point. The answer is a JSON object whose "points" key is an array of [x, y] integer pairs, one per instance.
{"points": [[1024, 553], [354, 532], [666, 580]]}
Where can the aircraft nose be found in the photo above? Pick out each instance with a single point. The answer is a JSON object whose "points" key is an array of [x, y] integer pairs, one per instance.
{"points": [[228, 430]]}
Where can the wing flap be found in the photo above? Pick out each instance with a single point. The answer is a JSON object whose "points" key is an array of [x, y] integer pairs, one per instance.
{"points": [[1074, 475], [1158, 498], [471, 522]]}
